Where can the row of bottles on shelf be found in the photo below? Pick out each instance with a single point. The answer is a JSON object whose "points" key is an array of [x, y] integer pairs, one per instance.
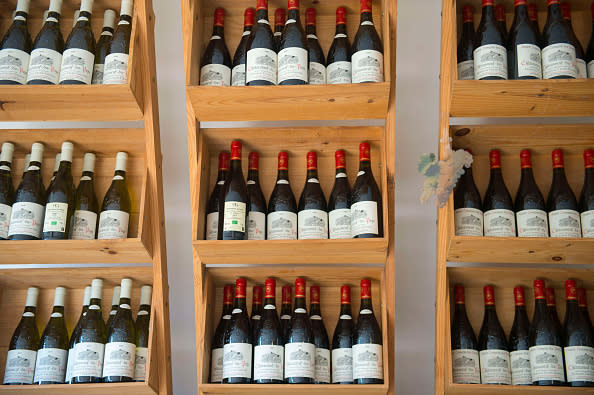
{"points": [[544, 352], [49, 60], [491, 53], [291, 55], [498, 215], [295, 349], [95, 352], [238, 211], [61, 212]]}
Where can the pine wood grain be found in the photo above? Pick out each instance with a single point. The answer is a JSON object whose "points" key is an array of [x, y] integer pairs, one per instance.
{"points": [[313, 389], [87, 389]]}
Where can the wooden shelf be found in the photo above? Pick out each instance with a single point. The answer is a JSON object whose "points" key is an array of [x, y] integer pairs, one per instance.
{"points": [[313, 389], [473, 389], [87, 389]]}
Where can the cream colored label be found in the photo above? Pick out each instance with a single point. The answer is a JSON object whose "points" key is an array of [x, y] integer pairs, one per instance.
{"points": [[5, 213], [340, 223], [500, 223], [140, 364], [368, 362], [368, 66], [20, 367], [116, 69], [234, 217], [300, 360], [256, 225], [587, 219], [490, 61], [14, 65], [520, 367], [322, 365], [261, 65], [77, 65], [339, 73], [546, 363], [579, 363], [26, 219], [565, 223], [84, 225], [465, 367], [495, 368], [468, 222], [237, 360], [529, 60], [215, 75], [364, 218], [312, 224], [559, 60], [466, 70], [317, 73], [282, 225], [342, 365], [212, 226], [45, 65], [532, 223], [113, 224], [119, 359], [51, 365], [269, 362], [292, 64]]}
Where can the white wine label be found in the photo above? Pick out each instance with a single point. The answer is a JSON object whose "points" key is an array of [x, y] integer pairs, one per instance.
{"points": [[119, 359], [368, 362], [55, 217], [582, 69], [368, 66], [565, 223], [340, 223], [495, 367], [113, 224], [140, 364], [500, 223], [237, 360], [466, 70], [465, 367], [312, 224], [261, 65], [342, 365], [5, 212], [269, 362], [45, 65], [546, 363], [238, 75], [215, 75], [292, 64], [532, 223], [234, 217], [77, 65], [579, 363], [490, 61], [51, 365], [591, 69], [520, 367], [529, 60], [587, 219], [216, 365], [26, 219], [88, 359], [20, 367], [282, 225], [14, 65], [317, 73], [116, 69], [84, 225], [364, 218], [322, 365], [212, 226], [256, 225], [468, 222], [339, 73], [559, 60], [300, 360], [98, 71], [69, 364]]}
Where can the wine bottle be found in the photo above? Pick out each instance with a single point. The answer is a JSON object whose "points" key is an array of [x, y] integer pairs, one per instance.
{"points": [[22, 350], [586, 204], [234, 200], [55, 172], [546, 355], [523, 49], [75, 18], [519, 342], [53, 347], [75, 331], [237, 349], [367, 342], [339, 204], [142, 325], [317, 61], [342, 346], [583, 305], [558, 53], [261, 60], [6, 189], [78, 59], [580, 57], [15, 48], [26, 166], [300, 350], [115, 210], [367, 219], [500, 17], [498, 206], [217, 343], [116, 63], [256, 202], [468, 207], [466, 45], [293, 63], [340, 68], [239, 59], [552, 307], [590, 50], [564, 217], [313, 211], [322, 372], [84, 225], [531, 215], [102, 47], [492, 345], [46, 56], [115, 303], [490, 54], [533, 15], [215, 66], [26, 219], [465, 355], [368, 50], [281, 220], [211, 231], [578, 341], [286, 311], [280, 18], [269, 352], [256, 314], [59, 207]]}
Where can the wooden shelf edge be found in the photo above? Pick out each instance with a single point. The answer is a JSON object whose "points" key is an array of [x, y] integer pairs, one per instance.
{"points": [[312, 389], [473, 389], [87, 389]]}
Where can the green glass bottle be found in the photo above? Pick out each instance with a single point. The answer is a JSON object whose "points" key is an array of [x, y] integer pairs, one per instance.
{"points": [[59, 207], [142, 332], [86, 206], [83, 313], [115, 211], [6, 188], [115, 304], [79, 52], [116, 63]]}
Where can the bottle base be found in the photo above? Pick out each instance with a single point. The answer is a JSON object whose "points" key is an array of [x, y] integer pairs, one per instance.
{"points": [[299, 380], [117, 379], [236, 380], [23, 237], [86, 380], [7, 82], [72, 82], [368, 381], [546, 383], [40, 82]]}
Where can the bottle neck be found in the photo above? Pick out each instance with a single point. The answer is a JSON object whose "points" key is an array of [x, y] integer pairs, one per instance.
{"points": [[345, 309], [89, 174], [312, 173], [235, 165], [270, 302], [65, 167], [341, 28], [218, 31], [528, 175], [84, 22], [227, 309], [253, 175], [366, 17], [300, 303], [310, 29], [314, 309], [282, 175], [496, 174], [20, 21], [120, 173], [365, 165], [125, 18], [59, 310], [124, 301], [55, 15], [95, 302], [540, 306], [589, 178], [107, 29], [366, 304], [571, 306], [468, 29], [261, 14], [286, 309], [460, 308], [239, 303], [521, 13], [520, 309], [222, 176], [559, 175], [488, 13], [294, 14], [30, 309], [340, 170], [256, 307]]}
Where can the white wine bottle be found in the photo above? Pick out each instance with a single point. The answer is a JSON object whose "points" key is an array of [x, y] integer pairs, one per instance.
{"points": [[115, 303], [46, 56], [15, 48], [116, 63], [59, 206], [26, 166], [83, 313], [86, 206], [143, 319], [102, 47], [55, 172], [79, 52], [6, 188], [115, 211]]}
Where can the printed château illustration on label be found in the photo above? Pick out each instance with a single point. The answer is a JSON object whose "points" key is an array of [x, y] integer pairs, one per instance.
{"points": [[212, 226], [5, 214], [364, 218], [546, 363], [312, 224], [339, 72], [466, 70], [559, 60], [51, 365], [495, 367], [368, 66], [119, 359], [342, 365], [113, 224], [77, 65], [465, 366], [20, 366], [368, 362], [317, 73], [282, 225], [532, 223], [256, 225], [215, 75], [587, 219], [216, 368], [116, 69], [300, 360], [500, 223], [237, 360], [520, 367], [45, 65], [292, 64], [26, 219], [261, 65], [88, 359], [565, 223], [490, 61], [14, 65], [84, 225], [238, 75], [340, 223], [579, 362], [468, 222], [140, 364], [322, 365], [268, 362]]}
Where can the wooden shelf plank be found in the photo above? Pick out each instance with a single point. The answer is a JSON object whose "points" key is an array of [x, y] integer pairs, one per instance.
{"points": [[473, 389], [314, 389], [87, 389]]}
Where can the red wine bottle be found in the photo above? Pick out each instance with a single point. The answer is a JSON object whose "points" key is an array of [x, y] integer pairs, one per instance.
{"points": [[256, 314], [587, 196], [492, 345], [367, 220], [531, 214], [468, 207], [237, 349], [322, 374], [551, 305], [519, 342], [233, 204], [339, 70], [466, 45], [490, 54], [558, 52], [7, 189], [578, 340], [212, 208], [256, 202], [215, 66], [293, 63], [590, 50], [498, 206], [261, 61], [342, 346], [523, 48], [46, 55], [339, 204], [580, 57], [280, 17], [218, 339], [564, 217], [300, 350], [533, 15], [317, 60], [313, 210], [583, 304], [367, 50], [368, 359], [500, 16], [281, 221], [286, 311], [465, 355], [239, 59], [15, 48]]}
